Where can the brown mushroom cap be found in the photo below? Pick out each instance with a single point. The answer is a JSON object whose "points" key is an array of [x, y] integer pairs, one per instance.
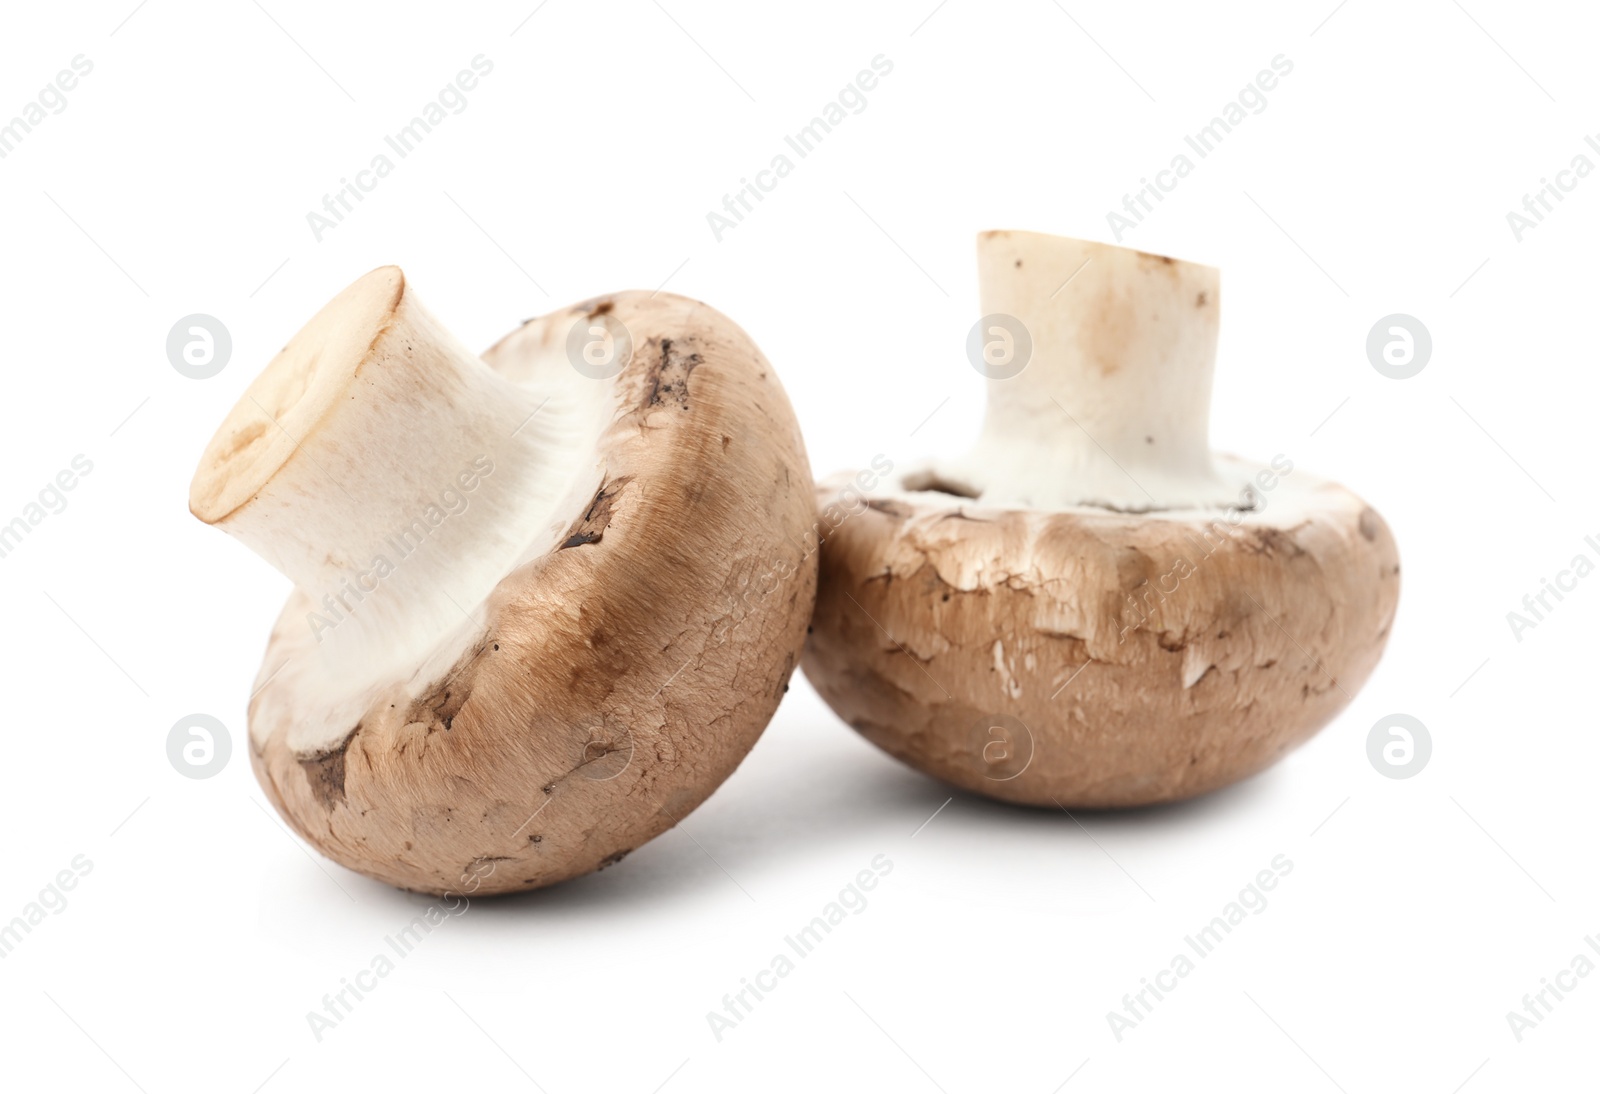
{"points": [[1090, 609], [606, 683], [1091, 659]]}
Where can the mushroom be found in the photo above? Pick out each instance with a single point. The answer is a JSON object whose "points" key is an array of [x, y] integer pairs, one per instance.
{"points": [[545, 601], [1090, 608]]}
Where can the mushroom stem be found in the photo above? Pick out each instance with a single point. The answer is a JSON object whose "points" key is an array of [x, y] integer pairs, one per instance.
{"points": [[387, 471], [1112, 405]]}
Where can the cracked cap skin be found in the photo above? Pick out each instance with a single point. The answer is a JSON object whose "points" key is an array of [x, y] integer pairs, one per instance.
{"points": [[1091, 659], [608, 685], [1090, 607]]}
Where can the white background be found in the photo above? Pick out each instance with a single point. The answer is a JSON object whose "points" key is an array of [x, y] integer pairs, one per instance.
{"points": [[1377, 180]]}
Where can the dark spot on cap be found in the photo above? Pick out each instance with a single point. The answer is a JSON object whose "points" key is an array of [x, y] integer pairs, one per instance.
{"points": [[325, 775], [669, 376], [1368, 524], [591, 527]]}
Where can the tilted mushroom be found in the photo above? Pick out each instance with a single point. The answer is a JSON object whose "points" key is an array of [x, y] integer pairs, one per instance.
{"points": [[544, 601], [1090, 608]]}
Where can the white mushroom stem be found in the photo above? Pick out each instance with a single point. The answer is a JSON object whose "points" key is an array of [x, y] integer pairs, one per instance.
{"points": [[1112, 407], [389, 473]]}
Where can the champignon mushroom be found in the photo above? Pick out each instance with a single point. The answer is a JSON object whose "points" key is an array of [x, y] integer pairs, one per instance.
{"points": [[544, 601], [1090, 608]]}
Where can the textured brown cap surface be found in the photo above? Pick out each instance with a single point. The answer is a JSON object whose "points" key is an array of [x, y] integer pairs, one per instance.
{"points": [[1093, 659], [622, 675]]}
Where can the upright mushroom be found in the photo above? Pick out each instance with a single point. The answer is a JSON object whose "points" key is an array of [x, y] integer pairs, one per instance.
{"points": [[544, 601], [1090, 608]]}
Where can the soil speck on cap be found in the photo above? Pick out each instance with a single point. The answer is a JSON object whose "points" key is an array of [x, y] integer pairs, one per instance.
{"points": [[1368, 524], [591, 527], [325, 775], [438, 708], [669, 376]]}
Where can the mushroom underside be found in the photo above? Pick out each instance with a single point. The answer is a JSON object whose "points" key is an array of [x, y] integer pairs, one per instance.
{"points": [[612, 676]]}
